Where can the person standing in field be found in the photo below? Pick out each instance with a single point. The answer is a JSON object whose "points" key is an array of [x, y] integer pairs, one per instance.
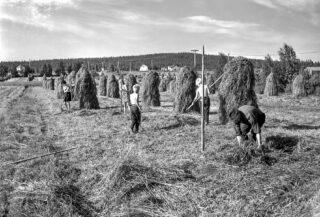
{"points": [[248, 118], [135, 109], [67, 96], [205, 98], [123, 94]]}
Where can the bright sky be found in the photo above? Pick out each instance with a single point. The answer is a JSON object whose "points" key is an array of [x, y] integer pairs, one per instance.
{"points": [[46, 29]]}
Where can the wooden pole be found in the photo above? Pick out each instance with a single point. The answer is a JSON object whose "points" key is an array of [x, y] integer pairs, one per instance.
{"points": [[202, 103]]}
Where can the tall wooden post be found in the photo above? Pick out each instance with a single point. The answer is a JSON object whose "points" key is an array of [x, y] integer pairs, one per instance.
{"points": [[202, 103]]}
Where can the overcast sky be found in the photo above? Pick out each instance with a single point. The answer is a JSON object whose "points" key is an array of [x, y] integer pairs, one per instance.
{"points": [[46, 29]]}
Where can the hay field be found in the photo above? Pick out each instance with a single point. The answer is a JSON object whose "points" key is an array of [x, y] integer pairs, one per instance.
{"points": [[159, 172]]}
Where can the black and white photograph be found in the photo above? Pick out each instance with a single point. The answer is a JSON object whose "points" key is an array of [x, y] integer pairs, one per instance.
{"points": [[159, 108]]}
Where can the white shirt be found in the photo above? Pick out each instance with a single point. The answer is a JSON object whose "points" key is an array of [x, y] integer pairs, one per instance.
{"points": [[206, 91], [134, 98], [65, 88]]}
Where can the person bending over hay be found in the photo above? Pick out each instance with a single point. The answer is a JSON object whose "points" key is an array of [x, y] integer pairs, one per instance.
{"points": [[205, 98], [135, 109], [248, 118], [150, 93], [236, 87], [88, 97], [124, 94]]}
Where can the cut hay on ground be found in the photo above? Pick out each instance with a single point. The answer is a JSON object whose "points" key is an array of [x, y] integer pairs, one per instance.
{"points": [[113, 87], [271, 88], [130, 80], [103, 85], [186, 90], [88, 97], [298, 86], [150, 89], [236, 87]]}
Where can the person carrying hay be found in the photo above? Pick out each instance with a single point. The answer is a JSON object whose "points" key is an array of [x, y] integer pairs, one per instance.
{"points": [[67, 96], [205, 98], [135, 109], [248, 118]]}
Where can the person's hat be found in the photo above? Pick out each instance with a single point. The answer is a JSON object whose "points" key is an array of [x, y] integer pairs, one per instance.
{"points": [[198, 81], [136, 86]]}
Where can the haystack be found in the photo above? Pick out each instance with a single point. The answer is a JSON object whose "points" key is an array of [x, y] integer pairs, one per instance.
{"points": [[44, 81], [103, 85], [88, 98], [298, 86], [71, 79], [236, 87], [210, 81], [50, 84], [163, 85], [79, 78], [185, 91], [113, 87], [58, 87], [172, 86], [150, 89], [271, 88], [130, 80]]}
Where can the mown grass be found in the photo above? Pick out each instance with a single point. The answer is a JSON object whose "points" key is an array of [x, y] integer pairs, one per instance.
{"points": [[161, 171]]}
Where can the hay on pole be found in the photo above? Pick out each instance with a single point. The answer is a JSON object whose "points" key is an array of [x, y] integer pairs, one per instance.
{"points": [[163, 85], [79, 78], [88, 97], [236, 87], [298, 86], [150, 89], [172, 86], [210, 81], [185, 91], [103, 85], [113, 87], [271, 87], [58, 87], [130, 80], [71, 78], [44, 81], [50, 84]]}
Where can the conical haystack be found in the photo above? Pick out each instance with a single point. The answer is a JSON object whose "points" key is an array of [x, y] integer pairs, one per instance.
{"points": [[150, 89], [88, 97], [298, 86], [236, 87], [271, 88], [103, 85], [113, 87], [185, 91]]}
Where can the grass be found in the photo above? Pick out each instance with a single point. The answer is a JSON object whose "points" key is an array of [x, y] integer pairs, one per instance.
{"points": [[161, 171]]}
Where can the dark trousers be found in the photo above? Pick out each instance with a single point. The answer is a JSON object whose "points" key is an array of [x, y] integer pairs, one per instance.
{"points": [[135, 118], [206, 108]]}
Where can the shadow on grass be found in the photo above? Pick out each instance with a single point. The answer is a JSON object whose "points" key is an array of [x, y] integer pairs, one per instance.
{"points": [[301, 127], [182, 121], [284, 143]]}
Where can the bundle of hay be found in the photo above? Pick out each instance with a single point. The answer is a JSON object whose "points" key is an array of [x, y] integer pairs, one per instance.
{"points": [[271, 88], [210, 81], [50, 84], [260, 81], [58, 87], [103, 85], [185, 91], [172, 86], [79, 78], [163, 85], [236, 87], [71, 79], [150, 89], [44, 81], [298, 86], [88, 97], [130, 80], [113, 87]]}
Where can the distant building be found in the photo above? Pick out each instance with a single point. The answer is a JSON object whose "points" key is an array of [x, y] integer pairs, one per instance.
{"points": [[313, 70], [144, 68]]}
